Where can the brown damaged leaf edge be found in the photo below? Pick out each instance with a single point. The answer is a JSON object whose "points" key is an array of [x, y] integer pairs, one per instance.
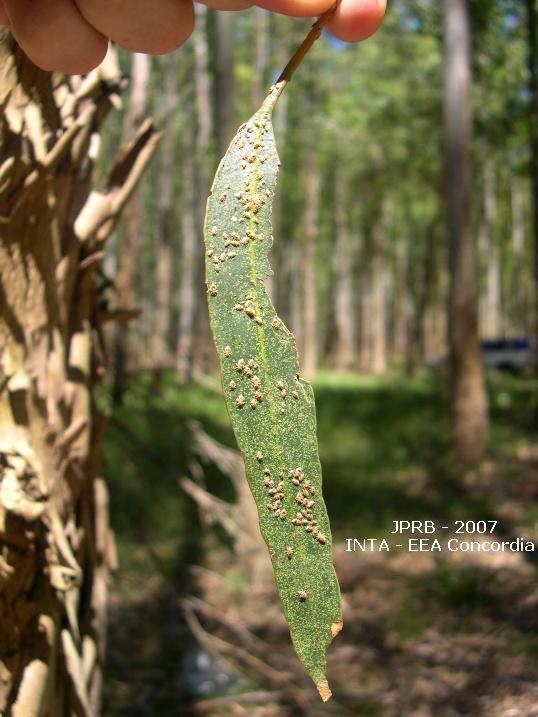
{"points": [[271, 408]]}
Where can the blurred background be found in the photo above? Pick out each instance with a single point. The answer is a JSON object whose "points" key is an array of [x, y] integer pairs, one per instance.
{"points": [[363, 277]]}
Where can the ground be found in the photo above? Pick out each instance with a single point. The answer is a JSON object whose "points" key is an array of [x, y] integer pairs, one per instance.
{"points": [[425, 634]]}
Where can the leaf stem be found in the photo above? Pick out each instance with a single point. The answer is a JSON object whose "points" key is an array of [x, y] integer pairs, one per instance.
{"points": [[304, 47]]}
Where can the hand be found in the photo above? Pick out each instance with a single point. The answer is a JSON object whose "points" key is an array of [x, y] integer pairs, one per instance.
{"points": [[72, 36]]}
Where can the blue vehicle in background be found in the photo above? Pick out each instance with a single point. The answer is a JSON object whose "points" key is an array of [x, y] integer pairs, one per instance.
{"points": [[514, 355], [510, 355]]}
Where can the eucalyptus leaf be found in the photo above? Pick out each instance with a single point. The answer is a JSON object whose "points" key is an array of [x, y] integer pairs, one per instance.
{"points": [[271, 407]]}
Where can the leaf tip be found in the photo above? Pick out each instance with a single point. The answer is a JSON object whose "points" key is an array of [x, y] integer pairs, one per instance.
{"points": [[336, 627], [324, 689]]}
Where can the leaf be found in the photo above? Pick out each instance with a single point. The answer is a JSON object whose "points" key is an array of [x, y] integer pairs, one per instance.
{"points": [[271, 408]]}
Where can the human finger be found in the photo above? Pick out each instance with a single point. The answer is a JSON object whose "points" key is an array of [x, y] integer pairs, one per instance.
{"points": [[296, 8], [4, 20], [140, 26], [356, 20], [55, 36], [228, 4]]}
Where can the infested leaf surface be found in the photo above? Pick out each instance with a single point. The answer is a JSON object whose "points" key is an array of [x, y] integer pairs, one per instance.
{"points": [[272, 409]]}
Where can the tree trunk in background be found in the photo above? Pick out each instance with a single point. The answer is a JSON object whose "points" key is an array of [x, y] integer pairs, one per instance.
{"points": [[379, 294], [56, 546], [400, 303], [344, 350], [261, 57], [189, 240], [532, 32], [310, 339], [516, 289], [129, 236], [468, 396], [169, 160], [204, 168], [224, 79], [490, 299], [424, 315], [365, 313]]}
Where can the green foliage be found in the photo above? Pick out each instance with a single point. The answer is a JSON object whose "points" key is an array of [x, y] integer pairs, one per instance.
{"points": [[271, 408]]}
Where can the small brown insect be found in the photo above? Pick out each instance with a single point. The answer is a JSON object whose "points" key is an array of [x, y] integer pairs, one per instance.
{"points": [[232, 385], [240, 401], [238, 307], [302, 595], [213, 290], [258, 396], [255, 382], [253, 403], [266, 471], [259, 456], [321, 538], [209, 252], [227, 352], [295, 394], [280, 384], [240, 366], [268, 482], [283, 393], [259, 320], [289, 552], [214, 231], [249, 311]]}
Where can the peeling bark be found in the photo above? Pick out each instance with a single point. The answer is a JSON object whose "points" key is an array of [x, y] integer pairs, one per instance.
{"points": [[56, 544]]}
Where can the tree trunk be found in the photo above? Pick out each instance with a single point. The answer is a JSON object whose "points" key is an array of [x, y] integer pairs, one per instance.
{"points": [[310, 340], [468, 396], [516, 286], [378, 325], [261, 57], [56, 543], [532, 34], [187, 291], [400, 303], [164, 267], [224, 79], [344, 350], [490, 300], [203, 341], [365, 312], [129, 237]]}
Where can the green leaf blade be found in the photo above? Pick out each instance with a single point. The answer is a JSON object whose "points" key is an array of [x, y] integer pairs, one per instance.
{"points": [[272, 409]]}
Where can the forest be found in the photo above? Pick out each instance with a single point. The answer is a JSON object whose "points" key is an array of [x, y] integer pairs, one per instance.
{"points": [[133, 576]]}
